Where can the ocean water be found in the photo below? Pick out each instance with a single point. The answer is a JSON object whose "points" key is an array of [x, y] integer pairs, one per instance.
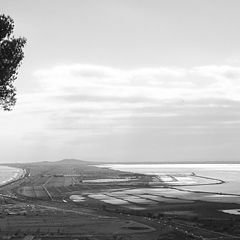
{"points": [[173, 168], [230, 173], [8, 174]]}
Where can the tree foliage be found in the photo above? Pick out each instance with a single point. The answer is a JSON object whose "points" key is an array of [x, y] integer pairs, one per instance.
{"points": [[11, 55]]}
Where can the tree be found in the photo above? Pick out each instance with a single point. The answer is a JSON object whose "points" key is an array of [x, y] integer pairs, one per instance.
{"points": [[11, 55]]}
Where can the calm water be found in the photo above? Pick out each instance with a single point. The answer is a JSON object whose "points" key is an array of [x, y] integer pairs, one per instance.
{"points": [[230, 173], [171, 168], [8, 173]]}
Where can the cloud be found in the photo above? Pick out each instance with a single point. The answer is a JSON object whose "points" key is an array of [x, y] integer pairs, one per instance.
{"points": [[150, 83], [82, 96], [86, 108]]}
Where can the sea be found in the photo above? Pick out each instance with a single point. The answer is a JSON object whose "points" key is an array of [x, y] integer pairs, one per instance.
{"points": [[229, 173], [168, 168], [8, 174]]}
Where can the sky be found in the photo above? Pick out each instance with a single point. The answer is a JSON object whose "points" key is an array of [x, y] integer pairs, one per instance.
{"points": [[125, 81]]}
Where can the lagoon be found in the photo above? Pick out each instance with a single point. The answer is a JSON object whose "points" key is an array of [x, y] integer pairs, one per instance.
{"points": [[229, 173]]}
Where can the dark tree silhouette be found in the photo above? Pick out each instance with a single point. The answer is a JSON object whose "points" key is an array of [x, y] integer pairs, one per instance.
{"points": [[11, 55]]}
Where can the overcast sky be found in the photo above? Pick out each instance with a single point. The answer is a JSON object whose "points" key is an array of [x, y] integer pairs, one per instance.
{"points": [[125, 80]]}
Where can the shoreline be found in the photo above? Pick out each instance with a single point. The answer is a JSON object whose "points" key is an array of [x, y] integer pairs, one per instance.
{"points": [[18, 175]]}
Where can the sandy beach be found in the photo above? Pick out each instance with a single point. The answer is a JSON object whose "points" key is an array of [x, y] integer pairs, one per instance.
{"points": [[10, 174]]}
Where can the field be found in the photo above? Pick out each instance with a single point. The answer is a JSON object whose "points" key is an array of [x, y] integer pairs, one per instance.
{"points": [[73, 199]]}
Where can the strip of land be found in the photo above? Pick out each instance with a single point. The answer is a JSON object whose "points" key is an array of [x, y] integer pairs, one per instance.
{"points": [[74, 199]]}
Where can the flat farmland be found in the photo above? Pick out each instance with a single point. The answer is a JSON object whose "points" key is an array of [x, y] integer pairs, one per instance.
{"points": [[78, 198], [72, 224]]}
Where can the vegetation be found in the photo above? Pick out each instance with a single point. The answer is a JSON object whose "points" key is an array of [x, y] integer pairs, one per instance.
{"points": [[39, 204], [11, 55]]}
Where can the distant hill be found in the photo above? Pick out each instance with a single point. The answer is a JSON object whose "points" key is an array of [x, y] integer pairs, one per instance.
{"points": [[71, 161], [59, 162]]}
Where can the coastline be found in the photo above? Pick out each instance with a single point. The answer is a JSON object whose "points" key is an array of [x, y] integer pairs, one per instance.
{"points": [[19, 174]]}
